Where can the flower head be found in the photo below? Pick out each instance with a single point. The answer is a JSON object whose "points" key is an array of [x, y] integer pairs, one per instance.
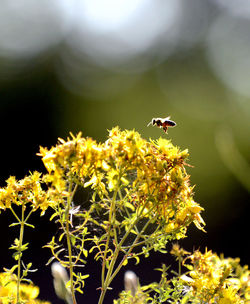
{"points": [[149, 175], [214, 279], [28, 292], [26, 190]]}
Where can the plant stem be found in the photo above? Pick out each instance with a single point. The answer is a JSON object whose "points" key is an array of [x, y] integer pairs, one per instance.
{"points": [[110, 274], [103, 279], [67, 229], [22, 223], [179, 264], [129, 251]]}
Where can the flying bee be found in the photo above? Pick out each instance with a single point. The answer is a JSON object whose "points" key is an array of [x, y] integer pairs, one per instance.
{"points": [[163, 123]]}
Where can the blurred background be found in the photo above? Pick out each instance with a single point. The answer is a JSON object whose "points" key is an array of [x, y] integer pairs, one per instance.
{"points": [[89, 65]]}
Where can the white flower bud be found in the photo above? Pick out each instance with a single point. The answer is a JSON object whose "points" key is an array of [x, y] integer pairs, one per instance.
{"points": [[131, 282], [60, 280]]}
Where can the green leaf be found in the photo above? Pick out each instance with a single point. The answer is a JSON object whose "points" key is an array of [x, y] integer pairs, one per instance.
{"points": [[52, 216], [14, 224], [11, 270], [137, 260], [85, 252], [125, 262], [107, 264], [130, 206], [73, 240], [50, 260], [29, 225], [94, 196], [27, 280], [61, 236], [24, 247], [79, 290], [83, 277]]}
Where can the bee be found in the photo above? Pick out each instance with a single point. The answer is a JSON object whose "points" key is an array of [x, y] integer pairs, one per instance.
{"points": [[163, 123]]}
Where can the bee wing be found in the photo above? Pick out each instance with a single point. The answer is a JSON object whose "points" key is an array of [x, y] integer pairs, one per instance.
{"points": [[149, 123], [167, 118]]}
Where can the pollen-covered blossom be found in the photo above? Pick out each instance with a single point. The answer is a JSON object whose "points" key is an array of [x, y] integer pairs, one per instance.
{"points": [[148, 175], [8, 286], [213, 279]]}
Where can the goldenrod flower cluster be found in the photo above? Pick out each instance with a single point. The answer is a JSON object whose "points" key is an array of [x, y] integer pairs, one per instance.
{"points": [[151, 174], [213, 279], [26, 190], [210, 280], [8, 286]]}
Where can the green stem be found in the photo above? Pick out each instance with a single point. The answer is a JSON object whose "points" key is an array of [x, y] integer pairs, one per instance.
{"points": [[22, 223], [110, 274], [103, 279], [129, 251], [27, 217], [179, 268], [69, 245]]}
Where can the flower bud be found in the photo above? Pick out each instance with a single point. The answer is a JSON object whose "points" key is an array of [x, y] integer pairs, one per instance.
{"points": [[60, 280], [131, 282]]}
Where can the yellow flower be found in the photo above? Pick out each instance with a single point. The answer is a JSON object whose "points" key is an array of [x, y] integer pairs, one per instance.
{"points": [[214, 279], [8, 289], [152, 173], [24, 191], [7, 194], [178, 251], [229, 296]]}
